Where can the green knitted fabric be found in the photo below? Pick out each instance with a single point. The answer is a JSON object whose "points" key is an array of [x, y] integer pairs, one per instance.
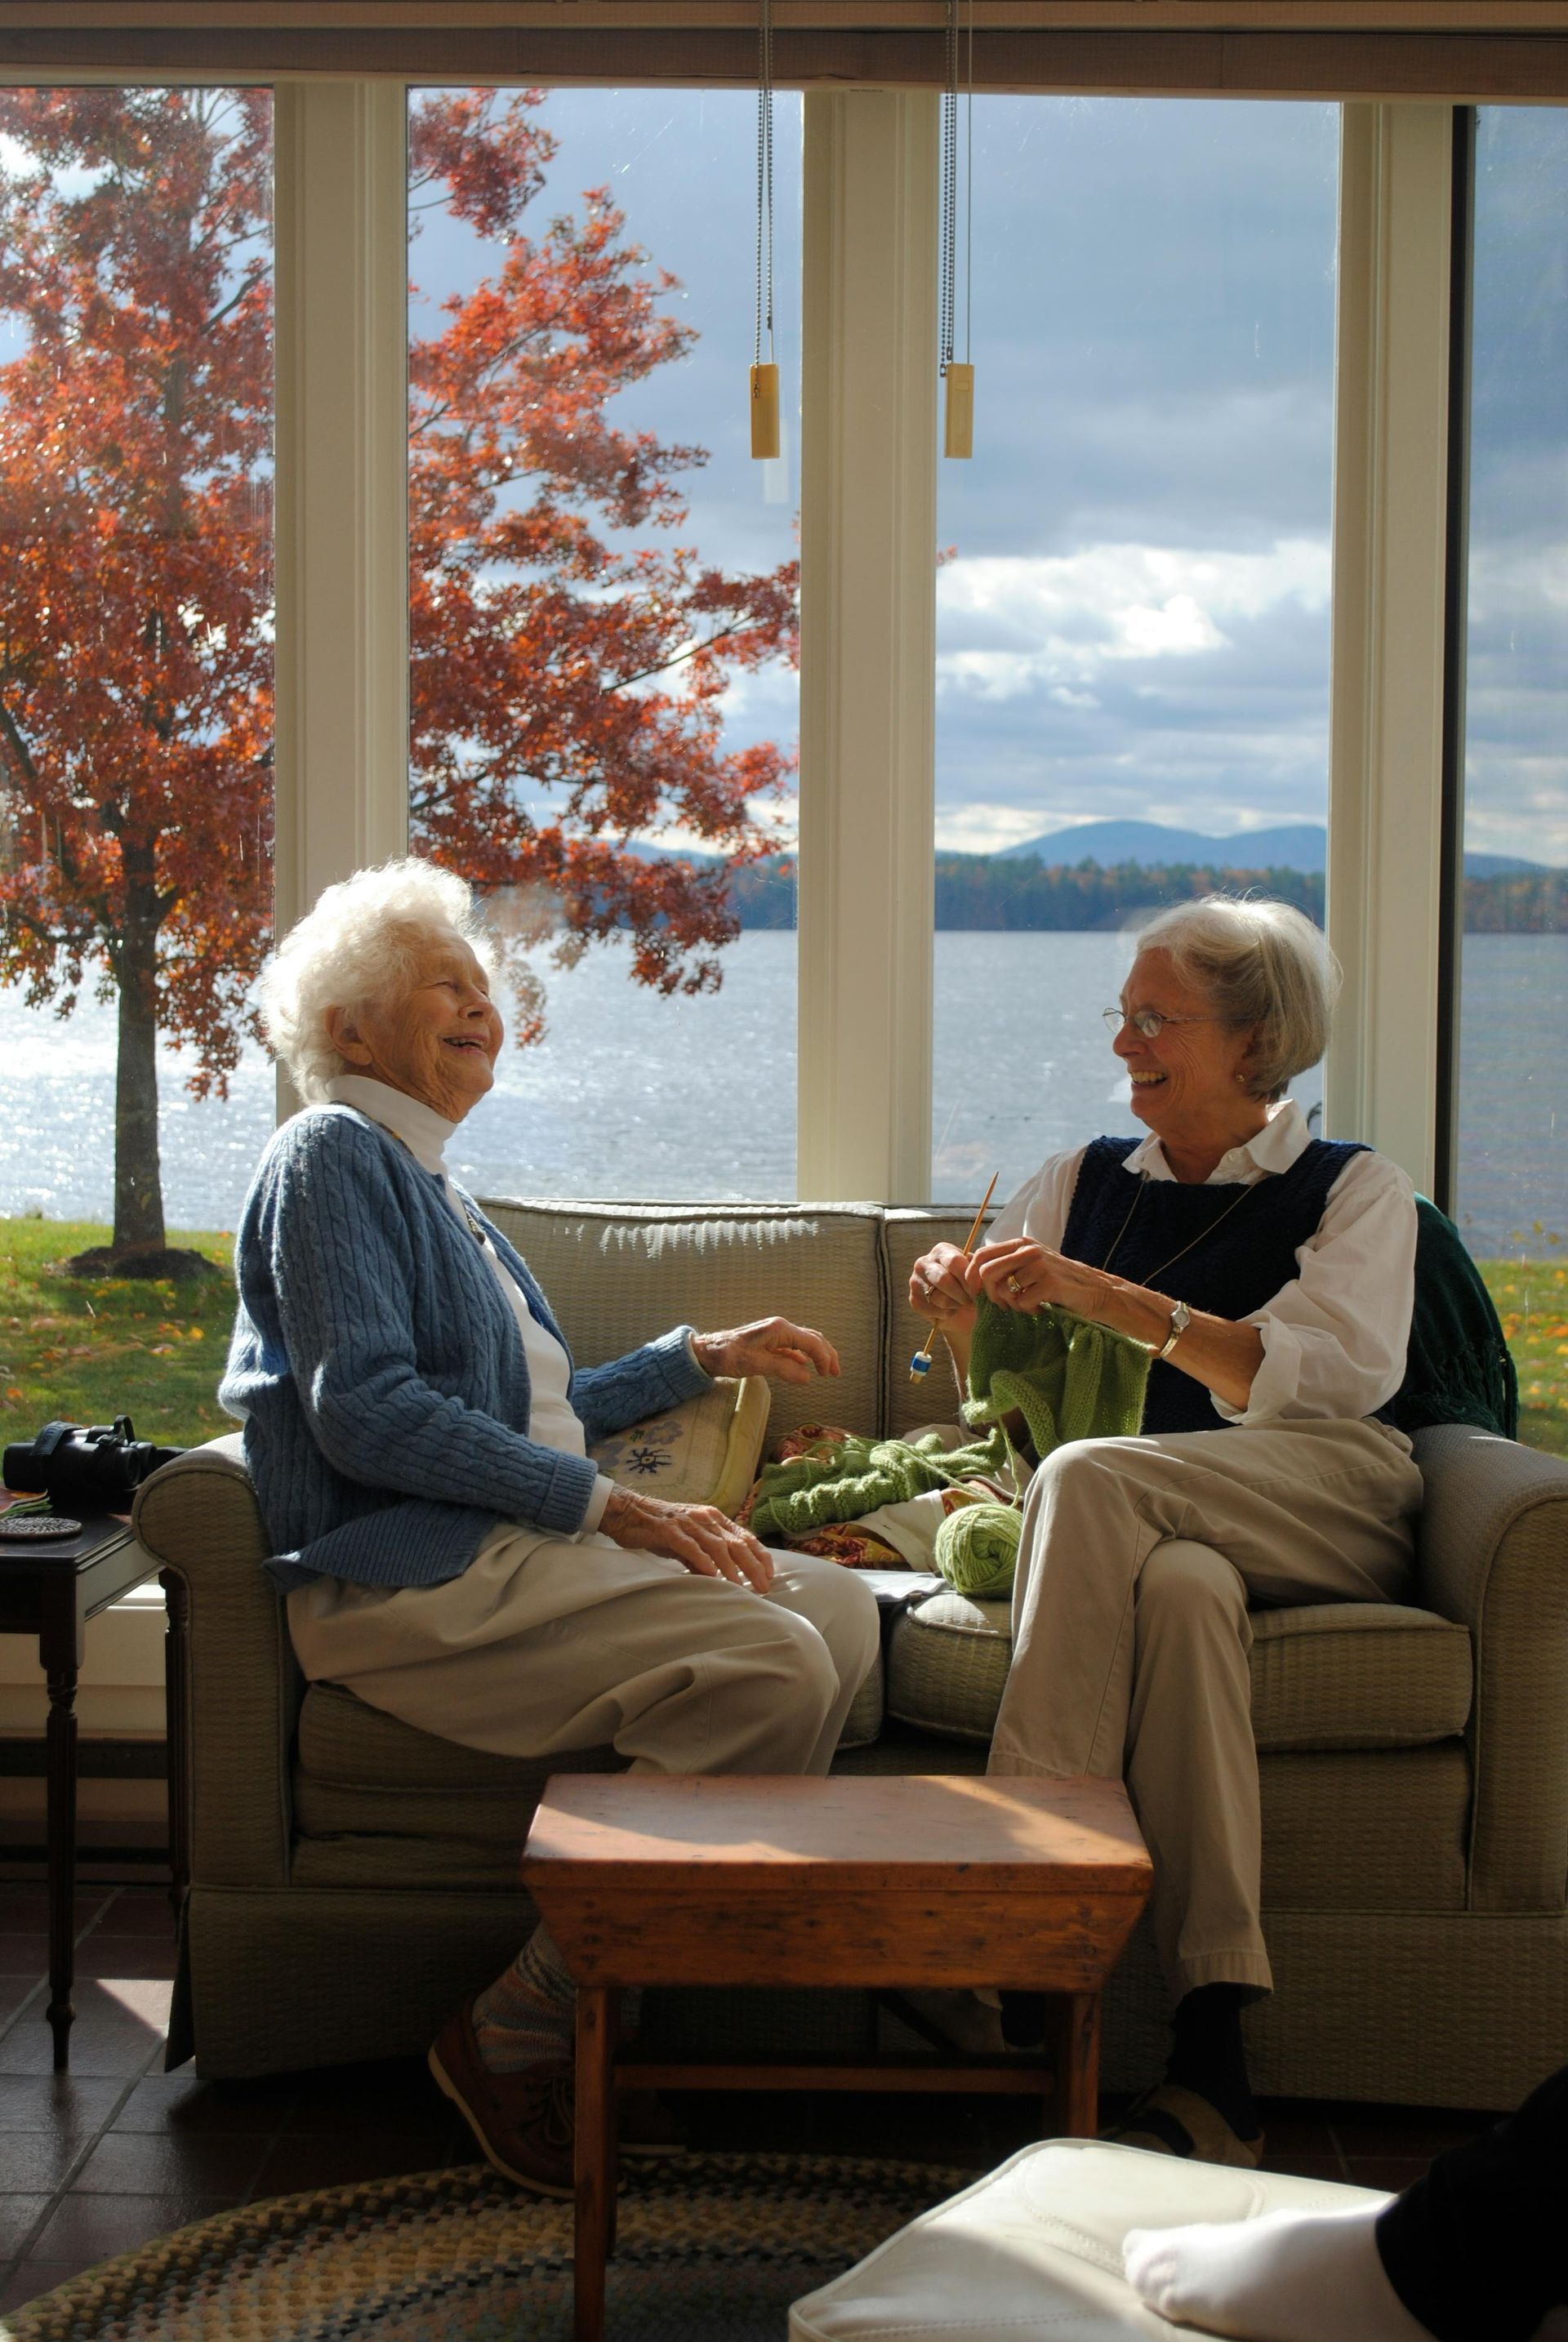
{"points": [[1068, 1379], [856, 1476], [1066, 1376], [977, 1549]]}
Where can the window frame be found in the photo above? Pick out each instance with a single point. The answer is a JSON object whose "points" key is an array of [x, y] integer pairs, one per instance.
{"points": [[868, 595], [342, 685]]}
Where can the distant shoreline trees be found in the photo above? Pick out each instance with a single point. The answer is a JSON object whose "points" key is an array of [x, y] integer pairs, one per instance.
{"points": [[1018, 893]]}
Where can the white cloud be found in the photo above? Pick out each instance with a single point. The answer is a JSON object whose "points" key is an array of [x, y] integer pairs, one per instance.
{"points": [[1016, 624], [985, 829], [1505, 580]]}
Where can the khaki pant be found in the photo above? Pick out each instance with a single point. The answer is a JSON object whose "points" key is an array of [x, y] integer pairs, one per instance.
{"points": [[1130, 1638], [538, 1650]]}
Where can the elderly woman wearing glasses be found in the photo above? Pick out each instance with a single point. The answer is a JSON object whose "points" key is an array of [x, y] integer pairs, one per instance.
{"points": [[418, 1437], [1272, 1276]]}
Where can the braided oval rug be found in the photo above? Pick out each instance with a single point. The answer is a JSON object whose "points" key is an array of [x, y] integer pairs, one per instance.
{"points": [[710, 2248]]}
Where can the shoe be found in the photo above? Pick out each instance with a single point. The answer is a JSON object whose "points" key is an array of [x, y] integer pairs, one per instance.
{"points": [[524, 2122], [1171, 2120]]}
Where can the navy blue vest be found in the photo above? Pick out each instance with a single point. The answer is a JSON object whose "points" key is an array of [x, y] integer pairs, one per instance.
{"points": [[1229, 1272]]}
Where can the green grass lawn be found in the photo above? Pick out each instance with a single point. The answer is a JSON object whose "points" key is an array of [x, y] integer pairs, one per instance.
{"points": [[91, 1348], [1531, 1296]]}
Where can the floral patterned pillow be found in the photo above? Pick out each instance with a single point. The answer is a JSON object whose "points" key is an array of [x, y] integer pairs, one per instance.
{"points": [[705, 1452]]}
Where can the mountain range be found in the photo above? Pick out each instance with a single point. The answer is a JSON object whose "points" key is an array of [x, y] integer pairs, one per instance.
{"points": [[1297, 846]]}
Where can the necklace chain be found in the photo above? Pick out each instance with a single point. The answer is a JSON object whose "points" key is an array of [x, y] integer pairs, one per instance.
{"points": [[1202, 1238]]}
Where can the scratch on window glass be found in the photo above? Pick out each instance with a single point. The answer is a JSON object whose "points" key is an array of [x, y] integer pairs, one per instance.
{"points": [[652, 140]]}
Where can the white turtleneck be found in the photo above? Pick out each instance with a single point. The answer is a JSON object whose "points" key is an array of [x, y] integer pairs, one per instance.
{"points": [[551, 1418]]}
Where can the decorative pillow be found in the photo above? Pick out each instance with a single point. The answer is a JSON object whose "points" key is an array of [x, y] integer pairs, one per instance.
{"points": [[703, 1452]]}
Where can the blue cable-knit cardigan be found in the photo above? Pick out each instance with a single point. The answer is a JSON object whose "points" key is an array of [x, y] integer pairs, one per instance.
{"points": [[380, 1374]]}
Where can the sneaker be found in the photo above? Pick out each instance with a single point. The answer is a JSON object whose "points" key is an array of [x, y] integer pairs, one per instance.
{"points": [[524, 2122]]}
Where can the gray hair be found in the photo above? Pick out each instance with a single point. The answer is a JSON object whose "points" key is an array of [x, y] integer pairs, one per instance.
{"points": [[351, 948], [1262, 962]]}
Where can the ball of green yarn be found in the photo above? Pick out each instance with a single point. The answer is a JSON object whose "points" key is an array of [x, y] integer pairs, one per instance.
{"points": [[977, 1549]]}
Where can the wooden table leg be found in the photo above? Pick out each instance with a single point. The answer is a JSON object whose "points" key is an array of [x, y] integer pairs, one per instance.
{"points": [[596, 2157], [61, 1741], [1078, 2064]]}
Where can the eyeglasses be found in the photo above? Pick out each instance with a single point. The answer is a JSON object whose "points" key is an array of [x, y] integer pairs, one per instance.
{"points": [[1149, 1021]]}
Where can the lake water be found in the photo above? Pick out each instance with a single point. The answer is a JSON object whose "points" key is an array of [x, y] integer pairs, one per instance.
{"points": [[634, 1095]]}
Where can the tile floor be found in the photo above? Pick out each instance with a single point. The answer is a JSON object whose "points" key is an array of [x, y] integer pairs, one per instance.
{"points": [[95, 2161]]}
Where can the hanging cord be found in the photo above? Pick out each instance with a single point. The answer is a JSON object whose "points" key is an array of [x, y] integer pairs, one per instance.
{"points": [[765, 306], [947, 264], [969, 193]]}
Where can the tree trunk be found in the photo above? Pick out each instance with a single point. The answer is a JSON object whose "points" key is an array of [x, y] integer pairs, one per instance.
{"points": [[138, 1182]]}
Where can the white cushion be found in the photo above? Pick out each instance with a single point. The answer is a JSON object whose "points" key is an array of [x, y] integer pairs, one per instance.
{"points": [[1035, 2248]]}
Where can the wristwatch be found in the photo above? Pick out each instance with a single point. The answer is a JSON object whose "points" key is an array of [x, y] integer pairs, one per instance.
{"points": [[1181, 1319]]}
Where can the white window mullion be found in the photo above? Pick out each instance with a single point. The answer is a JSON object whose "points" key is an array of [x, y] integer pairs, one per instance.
{"points": [[1389, 524], [342, 725], [868, 645]]}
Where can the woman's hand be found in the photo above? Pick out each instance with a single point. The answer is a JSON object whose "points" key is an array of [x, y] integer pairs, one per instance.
{"points": [[1022, 1275], [937, 1289], [1223, 1356], [768, 1345], [699, 1537]]}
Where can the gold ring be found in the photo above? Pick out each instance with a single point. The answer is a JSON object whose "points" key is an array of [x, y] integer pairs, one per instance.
{"points": [[1013, 1285]]}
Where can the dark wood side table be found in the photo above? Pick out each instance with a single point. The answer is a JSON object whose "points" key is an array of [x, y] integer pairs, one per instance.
{"points": [[51, 1590], [892, 1881]]}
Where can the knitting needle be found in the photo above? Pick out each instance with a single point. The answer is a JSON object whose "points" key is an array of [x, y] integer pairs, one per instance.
{"points": [[920, 1361]]}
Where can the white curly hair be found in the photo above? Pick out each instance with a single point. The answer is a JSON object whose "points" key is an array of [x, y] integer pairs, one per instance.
{"points": [[356, 946], [1262, 962]]}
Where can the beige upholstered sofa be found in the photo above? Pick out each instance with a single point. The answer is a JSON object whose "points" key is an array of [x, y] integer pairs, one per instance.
{"points": [[351, 1877]]}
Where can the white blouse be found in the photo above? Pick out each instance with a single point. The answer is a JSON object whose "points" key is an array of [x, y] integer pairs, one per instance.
{"points": [[1334, 1338], [552, 1420]]}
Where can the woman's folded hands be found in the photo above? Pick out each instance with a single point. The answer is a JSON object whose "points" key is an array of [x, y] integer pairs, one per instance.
{"points": [[704, 1540]]}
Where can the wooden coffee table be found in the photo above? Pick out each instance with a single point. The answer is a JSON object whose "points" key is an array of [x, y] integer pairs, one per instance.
{"points": [[910, 1880]]}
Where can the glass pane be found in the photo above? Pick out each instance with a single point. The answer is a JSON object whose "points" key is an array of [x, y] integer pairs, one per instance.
{"points": [[1132, 605], [602, 583], [135, 724], [1512, 1168]]}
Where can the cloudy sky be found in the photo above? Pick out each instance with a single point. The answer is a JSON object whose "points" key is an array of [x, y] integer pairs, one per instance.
{"points": [[1134, 616]]}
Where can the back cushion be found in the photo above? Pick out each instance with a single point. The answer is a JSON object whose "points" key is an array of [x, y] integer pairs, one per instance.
{"points": [[621, 1274]]}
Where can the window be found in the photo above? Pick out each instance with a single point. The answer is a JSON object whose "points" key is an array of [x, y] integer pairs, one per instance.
{"points": [[1513, 1158], [603, 614], [136, 653], [1133, 601]]}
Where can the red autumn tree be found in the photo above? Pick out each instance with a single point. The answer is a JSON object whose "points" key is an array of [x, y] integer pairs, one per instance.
{"points": [[567, 669]]}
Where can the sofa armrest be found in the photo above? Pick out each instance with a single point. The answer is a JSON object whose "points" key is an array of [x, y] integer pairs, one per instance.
{"points": [[1493, 1551], [199, 1516]]}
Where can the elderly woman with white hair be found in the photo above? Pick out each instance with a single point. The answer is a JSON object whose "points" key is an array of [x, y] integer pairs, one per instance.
{"points": [[1272, 1275], [418, 1438]]}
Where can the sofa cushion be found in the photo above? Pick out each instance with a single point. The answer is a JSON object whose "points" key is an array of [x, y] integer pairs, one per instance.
{"points": [[703, 1453], [1328, 1675], [947, 1663], [1359, 1675], [376, 1801], [621, 1274]]}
